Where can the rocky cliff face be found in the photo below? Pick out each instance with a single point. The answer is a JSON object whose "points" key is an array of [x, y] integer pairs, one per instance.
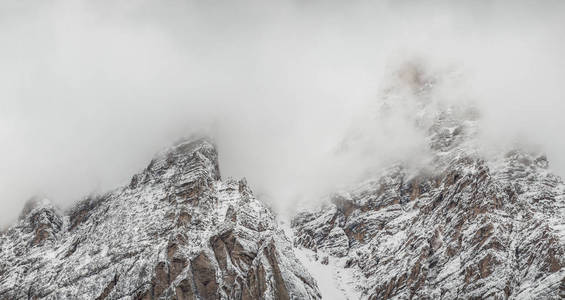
{"points": [[176, 232], [465, 226]]}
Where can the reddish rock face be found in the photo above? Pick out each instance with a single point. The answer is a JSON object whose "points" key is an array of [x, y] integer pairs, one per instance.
{"points": [[204, 275]]}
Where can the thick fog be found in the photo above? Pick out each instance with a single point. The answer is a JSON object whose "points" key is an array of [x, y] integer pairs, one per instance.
{"points": [[90, 90]]}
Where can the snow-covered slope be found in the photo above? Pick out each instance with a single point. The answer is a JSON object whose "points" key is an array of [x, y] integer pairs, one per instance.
{"points": [[176, 232], [464, 226]]}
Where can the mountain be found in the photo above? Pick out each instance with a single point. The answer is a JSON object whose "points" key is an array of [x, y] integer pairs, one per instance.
{"points": [[465, 226], [459, 224], [177, 231]]}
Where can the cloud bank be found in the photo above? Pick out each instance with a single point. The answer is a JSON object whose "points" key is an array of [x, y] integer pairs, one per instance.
{"points": [[90, 90]]}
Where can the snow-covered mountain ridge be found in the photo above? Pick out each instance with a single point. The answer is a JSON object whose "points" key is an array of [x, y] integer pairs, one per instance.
{"points": [[465, 226], [177, 232]]}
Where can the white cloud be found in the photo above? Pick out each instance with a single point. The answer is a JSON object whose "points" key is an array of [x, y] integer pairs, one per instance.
{"points": [[89, 90]]}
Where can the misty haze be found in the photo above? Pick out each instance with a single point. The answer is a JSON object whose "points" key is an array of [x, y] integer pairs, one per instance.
{"points": [[282, 150]]}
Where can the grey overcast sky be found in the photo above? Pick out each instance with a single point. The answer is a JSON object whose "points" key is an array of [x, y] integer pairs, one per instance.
{"points": [[90, 90]]}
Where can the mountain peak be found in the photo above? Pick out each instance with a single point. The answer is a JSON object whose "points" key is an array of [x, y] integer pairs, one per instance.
{"points": [[176, 232], [189, 158], [36, 203]]}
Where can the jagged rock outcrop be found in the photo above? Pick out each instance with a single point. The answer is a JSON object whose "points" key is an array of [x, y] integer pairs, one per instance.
{"points": [[177, 231], [465, 226]]}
